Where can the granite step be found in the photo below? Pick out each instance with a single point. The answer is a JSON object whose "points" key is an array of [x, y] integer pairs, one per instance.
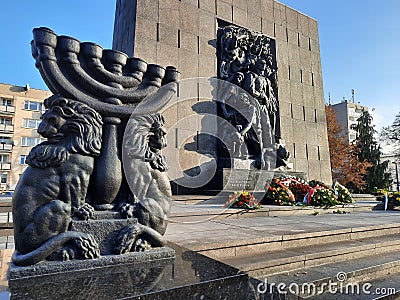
{"points": [[287, 260], [189, 199], [300, 243], [372, 277], [364, 197]]}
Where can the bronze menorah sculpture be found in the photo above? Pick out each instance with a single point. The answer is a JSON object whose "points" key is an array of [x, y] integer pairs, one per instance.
{"points": [[79, 169]]}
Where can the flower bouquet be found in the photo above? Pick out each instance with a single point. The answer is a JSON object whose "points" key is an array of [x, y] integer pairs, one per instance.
{"points": [[321, 196], [278, 193], [342, 193], [243, 199], [297, 186], [394, 198]]}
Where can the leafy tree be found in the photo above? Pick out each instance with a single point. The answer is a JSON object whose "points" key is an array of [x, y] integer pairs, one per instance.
{"points": [[346, 167], [370, 151], [391, 134]]}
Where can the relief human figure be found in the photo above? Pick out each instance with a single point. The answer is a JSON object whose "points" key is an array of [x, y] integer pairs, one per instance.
{"points": [[258, 84], [244, 132]]}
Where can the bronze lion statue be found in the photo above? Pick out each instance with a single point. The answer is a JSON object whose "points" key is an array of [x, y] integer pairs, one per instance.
{"points": [[54, 186]]}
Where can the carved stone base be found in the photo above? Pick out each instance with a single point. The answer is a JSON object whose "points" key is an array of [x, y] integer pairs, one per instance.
{"points": [[187, 276], [228, 180], [105, 228], [252, 180], [55, 267]]}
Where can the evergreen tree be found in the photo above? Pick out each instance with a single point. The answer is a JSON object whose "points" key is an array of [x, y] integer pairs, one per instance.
{"points": [[369, 150]]}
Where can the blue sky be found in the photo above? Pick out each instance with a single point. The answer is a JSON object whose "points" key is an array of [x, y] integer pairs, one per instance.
{"points": [[360, 43], [360, 46], [86, 20]]}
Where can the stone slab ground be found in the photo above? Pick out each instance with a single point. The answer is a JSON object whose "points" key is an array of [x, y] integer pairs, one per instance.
{"points": [[299, 247]]}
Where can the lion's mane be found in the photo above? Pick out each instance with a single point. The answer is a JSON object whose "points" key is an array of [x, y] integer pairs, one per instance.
{"points": [[83, 132]]}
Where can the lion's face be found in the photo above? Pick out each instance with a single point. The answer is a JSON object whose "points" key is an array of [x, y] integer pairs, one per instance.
{"points": [[51, 126], [70, 127]]}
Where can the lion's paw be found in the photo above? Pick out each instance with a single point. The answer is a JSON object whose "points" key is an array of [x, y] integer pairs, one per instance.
{"points": [[65, 253], [141, 245], [126, 210], [85, 212]]}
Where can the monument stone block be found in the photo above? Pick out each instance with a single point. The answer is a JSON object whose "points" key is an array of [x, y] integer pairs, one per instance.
{"points": [[303, 25], [224, 10], [239, 16], [254, 22], [296, 48], [254, 7]]}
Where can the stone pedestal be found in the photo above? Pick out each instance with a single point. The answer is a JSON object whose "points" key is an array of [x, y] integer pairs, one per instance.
{"points": [[187, 276], [252, 180], [243, 177], [105, 228]]}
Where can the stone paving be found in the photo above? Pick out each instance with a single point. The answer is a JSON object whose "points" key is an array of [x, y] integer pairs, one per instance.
{"points": [[201, 227], [206, 223], [193, 234]]}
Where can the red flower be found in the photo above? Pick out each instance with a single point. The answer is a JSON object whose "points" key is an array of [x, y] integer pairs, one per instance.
{"points": [[240, 203]]}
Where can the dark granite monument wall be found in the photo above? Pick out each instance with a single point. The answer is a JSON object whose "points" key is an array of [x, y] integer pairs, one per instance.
{"points": [[183, 33]]}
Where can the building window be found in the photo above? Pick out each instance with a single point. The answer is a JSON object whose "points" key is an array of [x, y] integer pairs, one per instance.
{"points": [[31, 123], [6, 102], [4, 158], [4, 178], [5, 140], [31, 105], [30, 141], [22, 159], [5, 121]]}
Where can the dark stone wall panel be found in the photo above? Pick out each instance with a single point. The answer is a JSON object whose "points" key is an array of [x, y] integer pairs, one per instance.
{"points": [[297, 48]]}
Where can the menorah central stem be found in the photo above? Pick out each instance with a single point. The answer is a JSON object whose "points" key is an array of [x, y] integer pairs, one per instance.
{"points": [[107, 176]]}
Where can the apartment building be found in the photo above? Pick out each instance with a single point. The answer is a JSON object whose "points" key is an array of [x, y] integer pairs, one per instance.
{"points": [[347, 113], [20, 111]]}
